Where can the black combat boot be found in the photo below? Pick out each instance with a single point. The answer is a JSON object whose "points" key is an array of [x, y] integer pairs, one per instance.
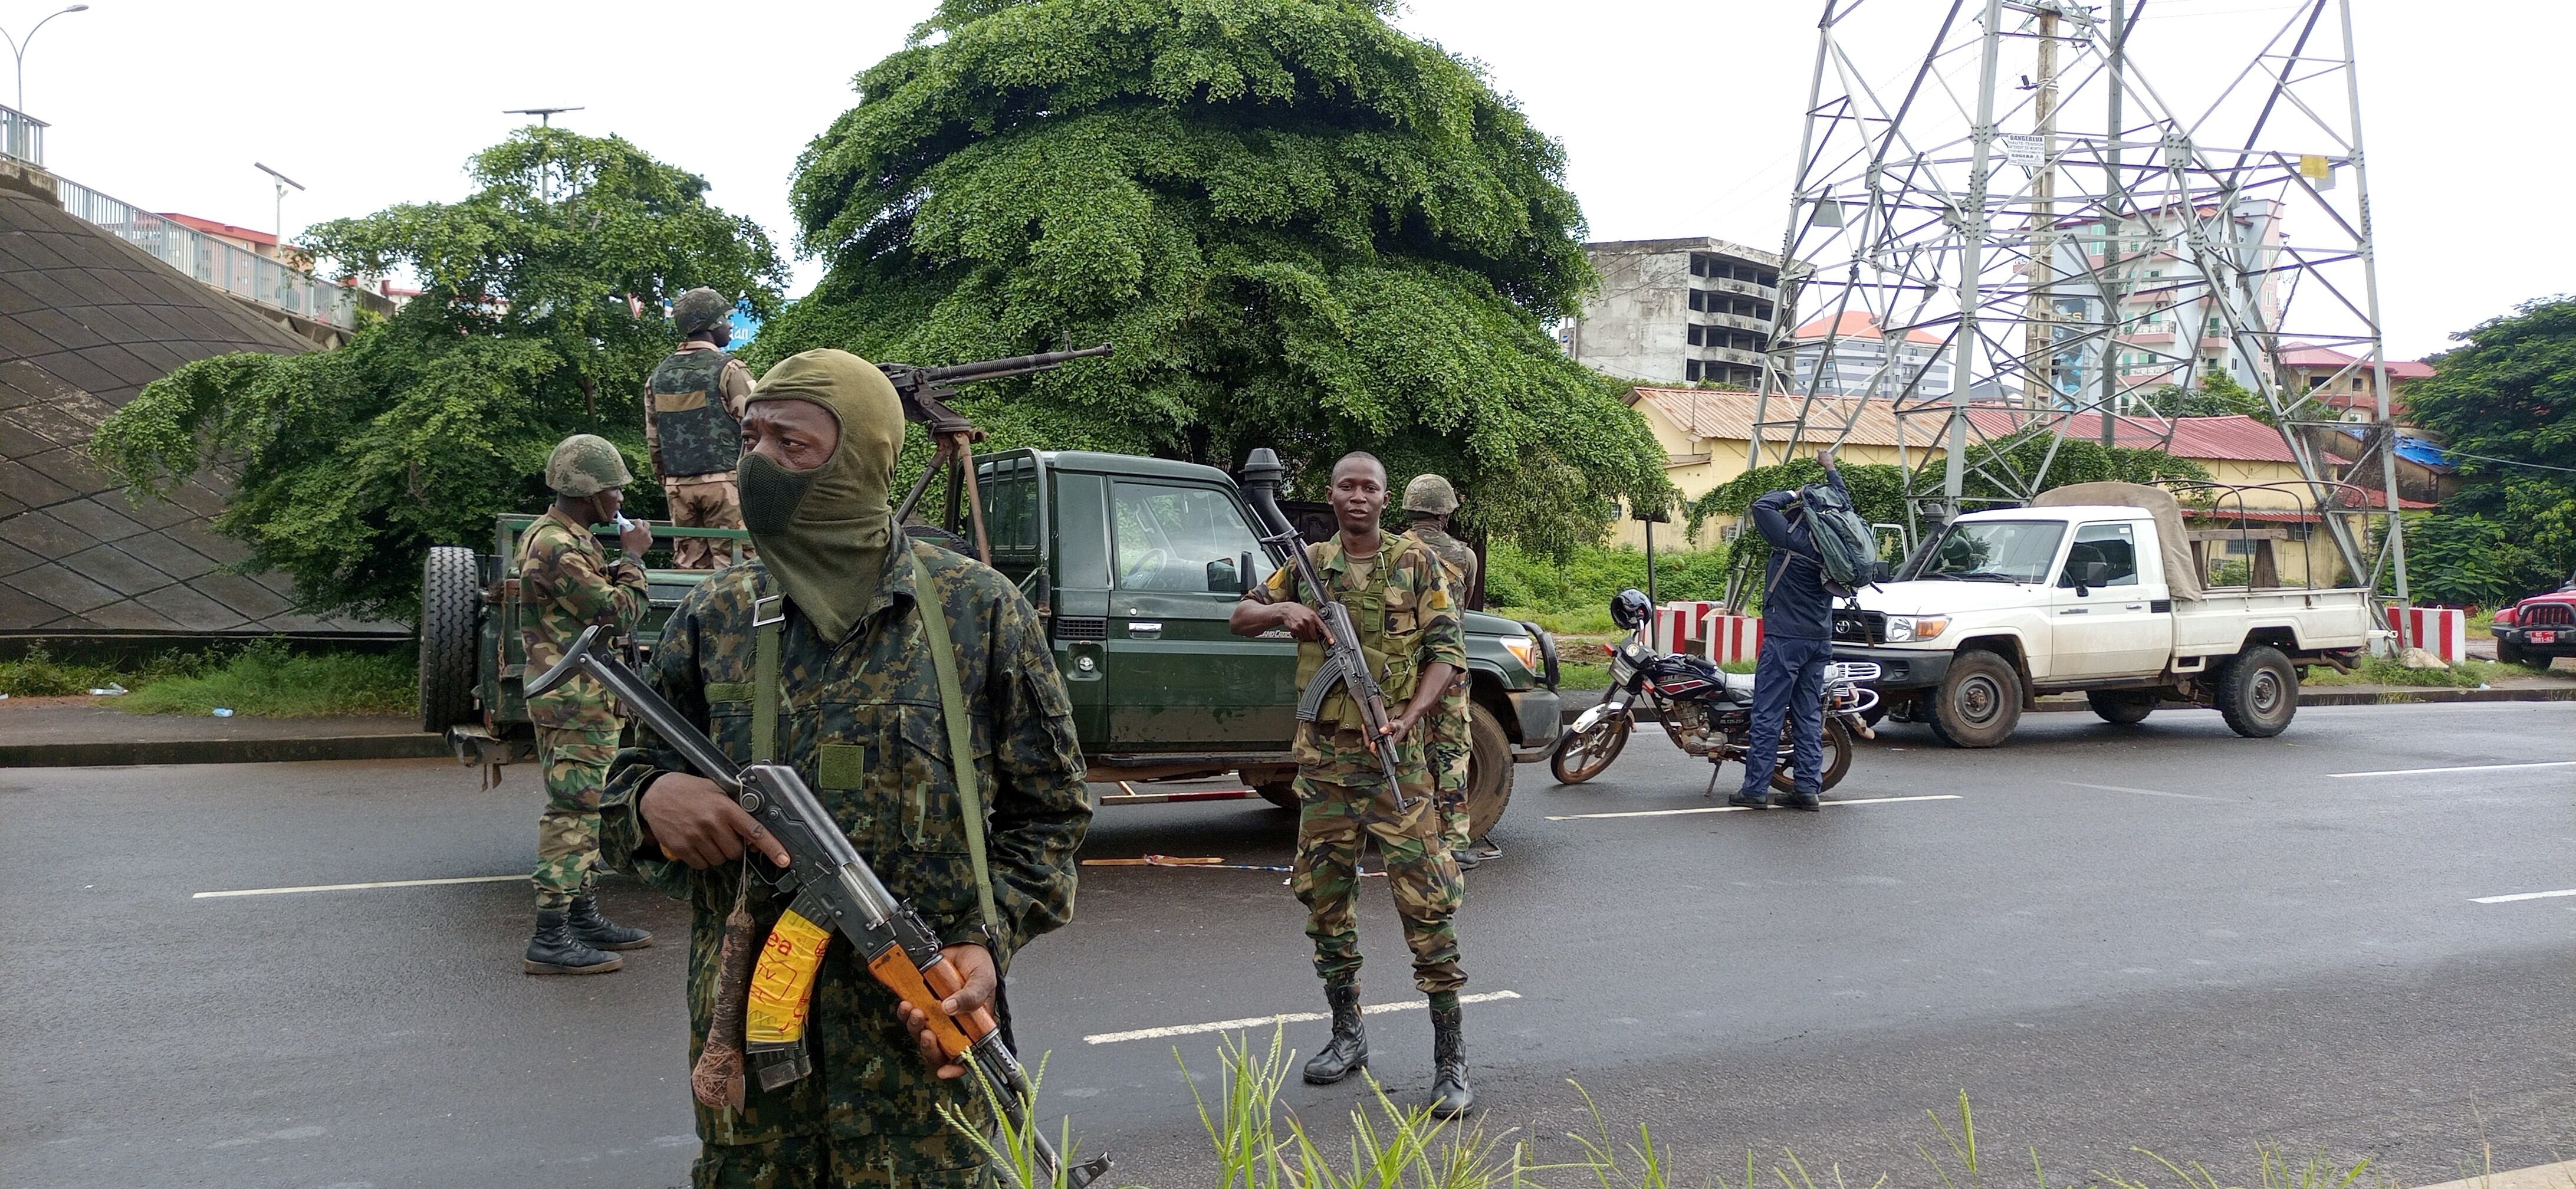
{"points": [[1348, 1050], [554, 950], [1451, 1096], [600, 933]]}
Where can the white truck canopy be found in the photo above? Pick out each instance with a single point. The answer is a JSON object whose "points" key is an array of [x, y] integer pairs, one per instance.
{"points": [[2182, 576]]}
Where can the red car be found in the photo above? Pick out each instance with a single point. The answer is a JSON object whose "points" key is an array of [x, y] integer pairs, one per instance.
{"points": [[2537, 629]]}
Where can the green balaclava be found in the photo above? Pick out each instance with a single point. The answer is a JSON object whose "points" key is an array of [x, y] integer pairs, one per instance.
{"points": [[823, 532]]}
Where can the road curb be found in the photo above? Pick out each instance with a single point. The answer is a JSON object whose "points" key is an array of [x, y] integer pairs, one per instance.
{"points": [[2429, 696], [221, 751]]}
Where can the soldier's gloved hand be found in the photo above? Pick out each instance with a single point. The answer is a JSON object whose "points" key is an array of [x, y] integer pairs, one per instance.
{"points": [[1302, 621], [974, 964], [693, 821]]}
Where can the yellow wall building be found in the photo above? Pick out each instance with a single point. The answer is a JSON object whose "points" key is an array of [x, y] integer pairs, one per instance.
{"points": [[1706, 434]]}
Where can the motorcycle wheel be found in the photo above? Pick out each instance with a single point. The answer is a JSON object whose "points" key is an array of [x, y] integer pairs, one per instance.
{"points": [[1838, 758], [1580, 757]]}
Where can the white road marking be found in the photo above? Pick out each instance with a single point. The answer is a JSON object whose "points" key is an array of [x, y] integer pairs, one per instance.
{"points": [[2522, 896], [1294, 1017], [1571, 817], [2119, 788], [2462, 768], [352, 887], [2539, 1176]]}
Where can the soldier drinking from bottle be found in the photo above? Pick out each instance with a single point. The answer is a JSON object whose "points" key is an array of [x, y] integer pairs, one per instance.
{"points": [[692, 425], [1428, 502], [817, 655], [567, 583], [1399, 599]]}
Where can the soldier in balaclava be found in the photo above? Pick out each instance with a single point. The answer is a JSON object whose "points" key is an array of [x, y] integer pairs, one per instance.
{"points": [[839, 602], [693, 425], [567, 583]]}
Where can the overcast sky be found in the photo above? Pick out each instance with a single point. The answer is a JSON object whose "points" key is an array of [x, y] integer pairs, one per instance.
{"points": [[1679, 118]]}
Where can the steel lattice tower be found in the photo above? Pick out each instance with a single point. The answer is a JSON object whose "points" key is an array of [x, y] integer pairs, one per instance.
{"points": [[2075, 240]]}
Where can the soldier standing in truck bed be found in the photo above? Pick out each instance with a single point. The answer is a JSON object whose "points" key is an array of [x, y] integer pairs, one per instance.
{"points": [[693, 425], [1398, 596], [1428, 502]]}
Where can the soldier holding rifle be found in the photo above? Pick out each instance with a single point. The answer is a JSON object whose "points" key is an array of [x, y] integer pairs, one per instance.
{"points": [[817, 655], [1398, 598]]}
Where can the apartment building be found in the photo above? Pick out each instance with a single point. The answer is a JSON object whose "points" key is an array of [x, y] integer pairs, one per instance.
{"points": [[1677, 311], [2169, 328]]}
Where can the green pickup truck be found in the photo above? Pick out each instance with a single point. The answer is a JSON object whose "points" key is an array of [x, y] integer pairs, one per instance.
{"points": [[1134, 564]]}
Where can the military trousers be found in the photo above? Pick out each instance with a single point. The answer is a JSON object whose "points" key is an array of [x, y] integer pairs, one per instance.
{"points": [[575, 761], [944, 1159], [704, 505], [1451, 744], [1335, 822]]}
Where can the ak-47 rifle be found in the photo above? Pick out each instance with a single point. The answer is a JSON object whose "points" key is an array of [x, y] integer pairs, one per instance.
{"points": [[925, 392], [835, 892], [1344, 664]]}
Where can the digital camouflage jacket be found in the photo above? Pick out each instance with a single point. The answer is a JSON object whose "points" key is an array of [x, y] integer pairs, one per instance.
{"points": [[861, 723], [567, 583]]}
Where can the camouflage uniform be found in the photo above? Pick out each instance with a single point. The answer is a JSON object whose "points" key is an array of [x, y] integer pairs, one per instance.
{"points": [[694, 442], [1451, 741], [566, 583], [862, 724], [1403, 612]]}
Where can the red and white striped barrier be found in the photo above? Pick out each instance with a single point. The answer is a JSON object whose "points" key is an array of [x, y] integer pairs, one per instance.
{"points": [[1732, 638], [2442, 631], [1679, 625]]}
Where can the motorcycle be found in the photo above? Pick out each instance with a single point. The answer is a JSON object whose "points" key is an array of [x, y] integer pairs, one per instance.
{"points": [[1707, 711]]}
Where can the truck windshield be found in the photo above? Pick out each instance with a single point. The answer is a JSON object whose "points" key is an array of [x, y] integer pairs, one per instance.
{"points": [[1178, 538], [1994, 551]]}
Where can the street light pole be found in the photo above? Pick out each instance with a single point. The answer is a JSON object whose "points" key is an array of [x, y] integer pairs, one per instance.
{"points": [[18, 50], [282, 182]]}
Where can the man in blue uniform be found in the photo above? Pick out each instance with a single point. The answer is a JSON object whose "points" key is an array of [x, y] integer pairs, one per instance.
{"points": [[1797, 644]]}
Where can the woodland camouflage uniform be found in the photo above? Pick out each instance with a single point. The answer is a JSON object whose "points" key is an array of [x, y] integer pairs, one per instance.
{"points": [[1451, 742], [567, 583], [1403, 611], [693, 404], [862, 724]]}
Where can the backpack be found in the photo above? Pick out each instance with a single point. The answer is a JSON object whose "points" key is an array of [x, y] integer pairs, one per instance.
{"points": [[1844, 542]]}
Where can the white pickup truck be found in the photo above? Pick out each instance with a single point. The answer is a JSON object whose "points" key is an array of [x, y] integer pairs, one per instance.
{"points": [[2001, 607]]}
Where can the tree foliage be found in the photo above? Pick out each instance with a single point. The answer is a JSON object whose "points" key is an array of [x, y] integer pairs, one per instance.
{"points": [[2504, 406], [2219, 395], [540, 317], [1301, 228]]}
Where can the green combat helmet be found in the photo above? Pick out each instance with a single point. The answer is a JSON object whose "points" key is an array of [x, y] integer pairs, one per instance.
{"points": [[1430, 493], [700, 309], [585, 464]]}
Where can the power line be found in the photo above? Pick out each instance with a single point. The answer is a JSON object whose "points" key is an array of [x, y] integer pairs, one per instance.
{"points": [[2447, 452]]}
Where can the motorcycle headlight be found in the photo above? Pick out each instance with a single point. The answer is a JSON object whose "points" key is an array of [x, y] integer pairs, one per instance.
{"points": [[1523, 649], [1908, 629]]}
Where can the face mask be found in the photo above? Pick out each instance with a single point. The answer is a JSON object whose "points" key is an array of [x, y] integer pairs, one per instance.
{"points": [[771, 493]]}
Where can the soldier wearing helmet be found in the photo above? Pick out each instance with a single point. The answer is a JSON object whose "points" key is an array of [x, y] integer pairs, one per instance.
{"points": [[567, 583], [1428, 502], [692, 425]]}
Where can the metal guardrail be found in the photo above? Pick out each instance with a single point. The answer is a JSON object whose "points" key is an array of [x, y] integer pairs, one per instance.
{"points": [[216, 262], [22, 136]]}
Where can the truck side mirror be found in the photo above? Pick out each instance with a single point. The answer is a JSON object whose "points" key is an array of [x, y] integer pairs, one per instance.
{"points": [[2097, 573], [1224, 577]]}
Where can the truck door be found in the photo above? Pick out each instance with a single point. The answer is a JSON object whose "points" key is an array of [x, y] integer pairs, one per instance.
{"points": [[2113, 630], [1179, 678]]}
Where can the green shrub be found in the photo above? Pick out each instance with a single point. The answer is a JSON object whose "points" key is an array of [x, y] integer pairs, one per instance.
{"points": [[38, 675], [269, 679], [1587, 579]]}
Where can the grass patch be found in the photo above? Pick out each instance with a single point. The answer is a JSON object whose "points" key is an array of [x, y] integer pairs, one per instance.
{"points": [[265, 678], [2380, 670], [1582, 676], [272, 682]]}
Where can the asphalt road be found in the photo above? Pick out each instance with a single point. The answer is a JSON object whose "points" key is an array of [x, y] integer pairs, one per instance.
{"points": [[2165, 938]]}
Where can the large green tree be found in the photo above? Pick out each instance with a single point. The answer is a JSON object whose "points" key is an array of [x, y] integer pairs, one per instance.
{"points": [[2504, 406], [1300, 227], [541, 314]]}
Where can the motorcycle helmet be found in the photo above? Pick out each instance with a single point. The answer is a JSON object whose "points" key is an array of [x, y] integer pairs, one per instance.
{"points": [[1629, 609]]}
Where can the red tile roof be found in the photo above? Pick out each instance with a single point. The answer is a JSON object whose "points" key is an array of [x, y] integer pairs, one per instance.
{"points": [[226, 230], [1706, 413]]}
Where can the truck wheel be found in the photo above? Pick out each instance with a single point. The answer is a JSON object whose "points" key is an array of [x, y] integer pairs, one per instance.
{"points": [[2122, 706], [1837, 741], [1977, 704], [1579, 757], [451, 598], [2258, 693], [1489, 770], [1282, 793], [2508, 651]]}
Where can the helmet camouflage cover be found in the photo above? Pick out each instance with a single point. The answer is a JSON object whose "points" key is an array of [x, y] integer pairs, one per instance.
{"points": [[700, 309], [586, 464], [1430, 493]]}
